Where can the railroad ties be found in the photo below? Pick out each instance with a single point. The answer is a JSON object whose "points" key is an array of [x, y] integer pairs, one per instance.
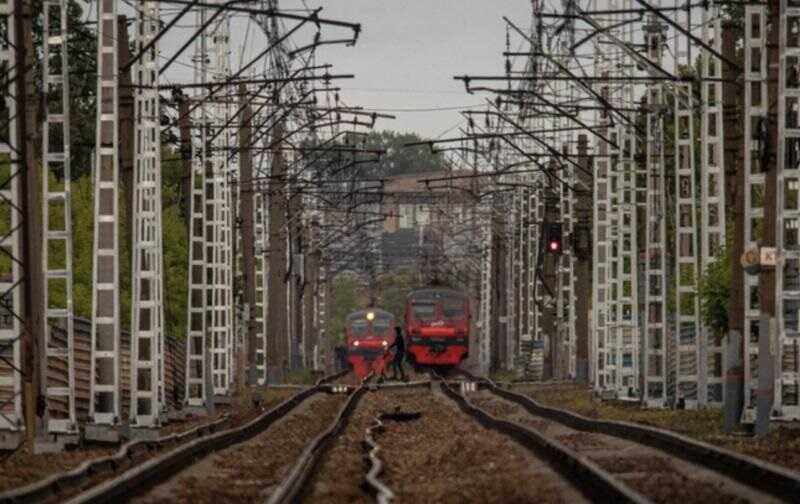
{"points": [[566, 455]]}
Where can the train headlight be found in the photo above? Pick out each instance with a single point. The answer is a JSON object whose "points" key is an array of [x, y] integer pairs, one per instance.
{"points": [[385, 343], [356, 343], [370, 316]]}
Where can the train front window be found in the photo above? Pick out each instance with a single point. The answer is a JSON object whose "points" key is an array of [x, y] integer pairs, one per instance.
{"points": [[359, 328], [424, 311], [382, 326], [453, 308]]}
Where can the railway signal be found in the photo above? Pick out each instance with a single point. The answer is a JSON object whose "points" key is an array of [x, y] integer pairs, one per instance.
{"points": [[553, 237]]}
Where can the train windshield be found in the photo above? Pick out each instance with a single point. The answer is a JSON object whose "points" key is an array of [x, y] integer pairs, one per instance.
{"points": [[359, 328], [382, 326], [424, 311], [453, 308]]}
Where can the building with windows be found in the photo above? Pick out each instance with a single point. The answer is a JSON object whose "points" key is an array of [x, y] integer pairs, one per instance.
{"points": [[422, 217]]}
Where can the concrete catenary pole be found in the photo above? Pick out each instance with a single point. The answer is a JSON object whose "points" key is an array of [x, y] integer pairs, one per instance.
{"points": [[735, 194], [248, 239], [277, 340], [766, 281], [31, 236], [583, 266]]}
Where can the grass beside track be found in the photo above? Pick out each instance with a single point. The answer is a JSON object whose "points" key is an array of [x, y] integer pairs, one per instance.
{"points": [[781, 446], [22, 468]]}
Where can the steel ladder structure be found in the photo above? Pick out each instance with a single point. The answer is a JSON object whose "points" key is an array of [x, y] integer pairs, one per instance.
{"points": [[755, 109], [787, 365], [105, 401], [712, 197], [197, 340], [12, 426], [147, 318], [57, 222], [654, 365], [687, 308]]}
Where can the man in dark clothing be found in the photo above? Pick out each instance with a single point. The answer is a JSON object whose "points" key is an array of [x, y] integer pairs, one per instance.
{"points": [[341, 357], [399, 354]]}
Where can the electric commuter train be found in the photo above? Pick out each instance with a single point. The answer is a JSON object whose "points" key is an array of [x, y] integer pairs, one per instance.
{"points": [[369, 334], [437, 326]]}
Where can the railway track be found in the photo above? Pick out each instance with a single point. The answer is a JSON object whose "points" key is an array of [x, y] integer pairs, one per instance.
{"points": [[653, 464], [430, 440], [138, 465], [428, 452]]}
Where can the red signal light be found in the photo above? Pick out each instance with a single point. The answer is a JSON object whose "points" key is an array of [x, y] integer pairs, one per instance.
{"points": [[552, 233]]}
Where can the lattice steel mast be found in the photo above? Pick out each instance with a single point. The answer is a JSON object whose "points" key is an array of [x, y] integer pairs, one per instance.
{"points": [[147, 317], [57, 222], [104, 401]]}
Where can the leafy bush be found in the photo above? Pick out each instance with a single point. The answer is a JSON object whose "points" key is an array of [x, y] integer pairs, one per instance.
{"points": [[714, 291]]}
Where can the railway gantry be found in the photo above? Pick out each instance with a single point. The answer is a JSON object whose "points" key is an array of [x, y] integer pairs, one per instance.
{"points": [[279, 192]]}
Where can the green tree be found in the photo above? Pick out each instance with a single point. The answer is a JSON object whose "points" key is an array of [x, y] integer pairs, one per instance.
{"points": [[714, 291], [398, 159], [347, 295], [393, 288]]}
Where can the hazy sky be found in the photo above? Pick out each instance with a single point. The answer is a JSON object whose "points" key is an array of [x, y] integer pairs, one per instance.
{"points": [[409, 51], [405, 59]]}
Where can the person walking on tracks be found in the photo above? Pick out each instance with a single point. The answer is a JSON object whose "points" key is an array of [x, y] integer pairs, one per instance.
{"points": [[399, 345]]}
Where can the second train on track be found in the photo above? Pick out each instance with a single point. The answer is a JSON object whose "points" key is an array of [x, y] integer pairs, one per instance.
{"points": [[437, 326]]}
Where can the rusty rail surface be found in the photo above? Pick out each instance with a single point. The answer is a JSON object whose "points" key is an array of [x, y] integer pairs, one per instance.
{"points": [[764, 476], [769, 478], [594, 482], [192, 445], [297, 483]]}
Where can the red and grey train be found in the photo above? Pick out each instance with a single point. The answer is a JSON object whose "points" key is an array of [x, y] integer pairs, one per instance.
{"points": [[437, 326], [369, 334]]}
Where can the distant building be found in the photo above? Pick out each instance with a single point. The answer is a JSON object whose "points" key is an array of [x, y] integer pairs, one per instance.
{"points": [[420, 216]]}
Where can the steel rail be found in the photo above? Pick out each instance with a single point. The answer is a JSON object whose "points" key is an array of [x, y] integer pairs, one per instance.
{"points": [[595, 483], [764, 476], [46, 489], [204, 440], [294, 487]]}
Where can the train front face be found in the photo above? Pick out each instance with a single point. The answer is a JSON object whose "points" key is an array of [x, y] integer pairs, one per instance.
{"points": [[437, 324], [369, 334]]}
